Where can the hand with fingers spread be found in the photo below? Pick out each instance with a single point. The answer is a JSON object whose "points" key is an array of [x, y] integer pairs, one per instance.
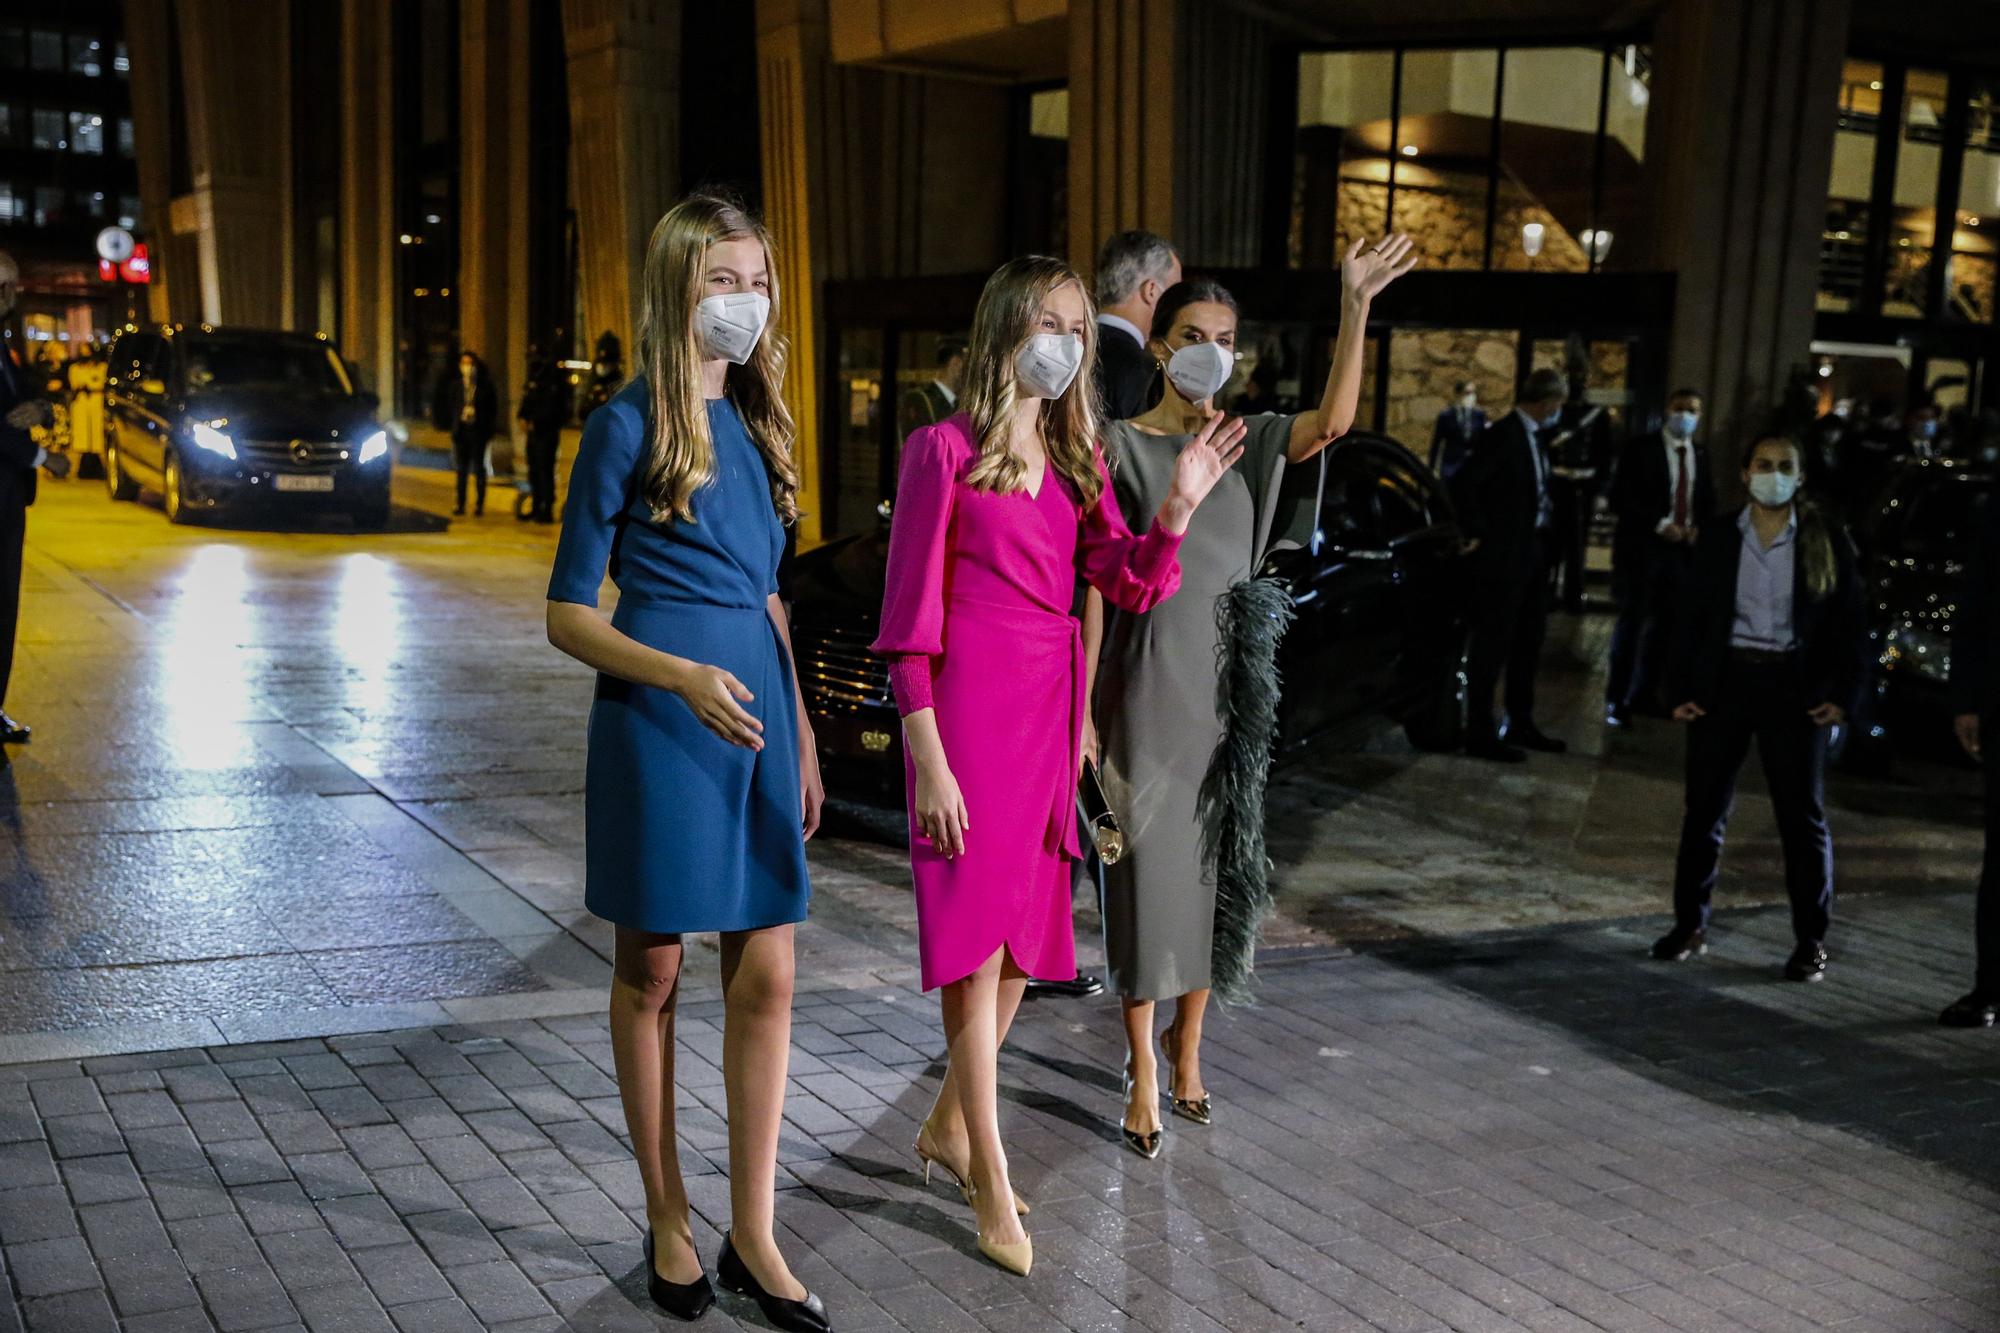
{"points": [[1366, 269], [941, 813], [717, 700], [1201, 464]]}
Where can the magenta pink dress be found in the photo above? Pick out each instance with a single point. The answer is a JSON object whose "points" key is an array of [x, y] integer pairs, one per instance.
{"points": [[976, 623]]}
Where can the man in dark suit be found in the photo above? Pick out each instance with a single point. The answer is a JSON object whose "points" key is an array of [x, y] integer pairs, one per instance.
{"points": [[1506, 509], [1975, 681], [467, 406], [1662, 496], [21, 408], [1457, 427], [936, 398], [1134, 270]]}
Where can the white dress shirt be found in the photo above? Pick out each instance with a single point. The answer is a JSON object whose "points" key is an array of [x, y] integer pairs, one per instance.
{"points": [[950, 398], [1764, 587]]}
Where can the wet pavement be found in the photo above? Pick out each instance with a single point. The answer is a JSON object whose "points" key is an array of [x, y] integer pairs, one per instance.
{"points": [[300, 1013]]}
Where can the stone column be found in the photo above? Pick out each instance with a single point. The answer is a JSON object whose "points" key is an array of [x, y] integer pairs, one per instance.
{"points": [[236, 82], [492, 192], [792, 68], [147, 23], [1167, 114], [624, 109], [1744, 100], [367, 333]]}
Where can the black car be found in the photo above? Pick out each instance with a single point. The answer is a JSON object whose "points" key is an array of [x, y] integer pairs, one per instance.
{"points": [[1380, 628], [1913, 547], [218, 419]]}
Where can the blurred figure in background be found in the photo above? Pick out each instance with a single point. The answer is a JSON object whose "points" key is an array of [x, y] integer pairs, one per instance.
{"points": [[1975, 680], [1662, 497], [543, 410], [466, 406], [1578, 445], [1457, 427], [1134, 270], [607, 374], [933, 401]]}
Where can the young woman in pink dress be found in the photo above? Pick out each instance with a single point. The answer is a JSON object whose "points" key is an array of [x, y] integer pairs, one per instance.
{"points": [[997, 511]]}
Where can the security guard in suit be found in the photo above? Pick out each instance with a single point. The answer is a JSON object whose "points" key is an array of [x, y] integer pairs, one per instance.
{"points": [[1975, 679]]}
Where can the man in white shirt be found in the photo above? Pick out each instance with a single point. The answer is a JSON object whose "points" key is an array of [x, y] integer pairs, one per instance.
{"points": [[1662, 496]]}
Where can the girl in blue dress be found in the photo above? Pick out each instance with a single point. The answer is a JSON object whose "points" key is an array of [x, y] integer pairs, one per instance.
{"points": [[701, 784]]}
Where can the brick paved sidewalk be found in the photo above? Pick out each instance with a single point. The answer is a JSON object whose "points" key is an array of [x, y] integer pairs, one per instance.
{"points": [[1542, 1132]]}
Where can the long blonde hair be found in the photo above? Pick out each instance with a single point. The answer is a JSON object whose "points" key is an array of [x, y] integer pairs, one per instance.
{"points": [[1002, 322], [681, 457]]}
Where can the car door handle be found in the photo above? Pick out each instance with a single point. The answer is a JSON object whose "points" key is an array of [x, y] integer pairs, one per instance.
{"points": [[1369, 554]]}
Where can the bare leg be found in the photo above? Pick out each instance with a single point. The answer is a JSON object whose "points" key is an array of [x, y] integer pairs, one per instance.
{"points": [[1142, 1103], [947, 1117], [1183, 1039], [756, 1049], [971, 1010], [645, 980]]}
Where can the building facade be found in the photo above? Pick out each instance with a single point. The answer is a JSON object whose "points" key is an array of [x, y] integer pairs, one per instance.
{"points": [[1734, 196]]}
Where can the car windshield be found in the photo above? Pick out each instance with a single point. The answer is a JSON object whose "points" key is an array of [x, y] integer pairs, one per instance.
{"points": [[226, 363], [1938, 521]]}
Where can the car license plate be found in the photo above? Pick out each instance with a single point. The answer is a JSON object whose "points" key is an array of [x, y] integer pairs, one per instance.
{"points": [[283, 482]]}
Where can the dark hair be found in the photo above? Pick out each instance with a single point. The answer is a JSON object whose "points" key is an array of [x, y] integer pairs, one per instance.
{"points": [[1816, 531], [1462, 385], [1128, 259], [950, 346], [1686, 393], [1184, 294], [1545, 385]]}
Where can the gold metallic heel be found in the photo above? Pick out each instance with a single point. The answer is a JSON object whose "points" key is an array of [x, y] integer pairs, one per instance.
{"points": [[928, 1154], [1146, 1145]]}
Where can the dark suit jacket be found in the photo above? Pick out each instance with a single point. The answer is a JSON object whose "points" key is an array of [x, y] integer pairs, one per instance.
{"points": [[1643, 494], [1128, 379], [448, 398], [1832, 631], [17, 447], [1495, 495], [1975, 629], [1449, 441]]}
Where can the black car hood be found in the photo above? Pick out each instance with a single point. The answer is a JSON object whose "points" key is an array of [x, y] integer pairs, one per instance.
{"points": [[1913, 592], [259, 412], [845, 575]]}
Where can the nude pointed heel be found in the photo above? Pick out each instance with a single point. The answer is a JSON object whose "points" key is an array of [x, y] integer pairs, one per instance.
{"points": [[928, 1154], [1016, 1258]]}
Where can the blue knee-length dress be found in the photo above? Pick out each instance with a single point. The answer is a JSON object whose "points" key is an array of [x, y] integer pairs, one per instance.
{"points": [[682, 830]]}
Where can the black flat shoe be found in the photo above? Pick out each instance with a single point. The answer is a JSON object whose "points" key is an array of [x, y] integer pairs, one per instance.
{"points": [[682, 1300], [806, 1316], [12, 732], [1807, 963], [1977, 1010], [1677, 945], [1533, 738], [1082, 986]]}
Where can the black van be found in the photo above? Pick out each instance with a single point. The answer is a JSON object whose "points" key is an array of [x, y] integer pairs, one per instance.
{"points": [[218, 419]]}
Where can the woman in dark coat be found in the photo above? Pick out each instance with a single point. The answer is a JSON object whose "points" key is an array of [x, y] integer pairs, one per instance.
{"points": [[466, 405]]}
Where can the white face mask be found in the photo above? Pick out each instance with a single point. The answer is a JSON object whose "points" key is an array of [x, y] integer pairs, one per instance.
{"points": [[1047, 362], [1468, 401], [1773, 489], [729, 326], [1199, 370]]}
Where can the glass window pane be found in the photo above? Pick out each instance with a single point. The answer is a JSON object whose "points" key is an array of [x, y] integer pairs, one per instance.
{"points": [[125, 148], [1444, 145], [48, 205], [45, 49], [1975, 239], [1843, 243], [12, 206], [1548, 158], [10, 119], [48, 130], [85, 55], [1621, 191], [13, 44], [128, 211], [1426, 365], [120, 62], [1913, 212], [86, 132], [1341, 187]]}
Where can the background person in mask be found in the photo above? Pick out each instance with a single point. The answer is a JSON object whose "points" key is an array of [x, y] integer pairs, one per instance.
{"points": [[1507, 510], [1921, 430], [1662, 497], [1174, 923], [466, 406], [1457, 427], [1770, 649], [544, 407], [997, 510]]}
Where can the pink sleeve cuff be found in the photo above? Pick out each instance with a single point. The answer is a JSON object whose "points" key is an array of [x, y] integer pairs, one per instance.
{"points": [[1157, 557], [910, 678]]}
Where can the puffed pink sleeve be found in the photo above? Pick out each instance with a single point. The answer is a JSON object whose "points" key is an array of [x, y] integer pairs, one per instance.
{"points": [[912, 630], [1136, 573]]}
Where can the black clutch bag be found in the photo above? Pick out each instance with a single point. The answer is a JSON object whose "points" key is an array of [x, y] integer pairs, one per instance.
{"points": [[1099, 819]]}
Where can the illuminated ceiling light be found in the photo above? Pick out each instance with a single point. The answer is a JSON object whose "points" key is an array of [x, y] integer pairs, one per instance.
{"points": [[1825, 370], [404, 238], [1596, 242], [1531, 238], [1874, 85], [1409, 150]]}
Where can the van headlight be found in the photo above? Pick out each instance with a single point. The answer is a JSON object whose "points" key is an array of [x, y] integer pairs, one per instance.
{"points": [[207, 435], [375, 446]]}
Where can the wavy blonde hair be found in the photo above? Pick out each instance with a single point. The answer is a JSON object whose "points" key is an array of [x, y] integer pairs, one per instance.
{"points": [[681, 457], [1002, 322]]}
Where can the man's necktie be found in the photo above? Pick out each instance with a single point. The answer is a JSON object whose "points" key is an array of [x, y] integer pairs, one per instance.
{"points": [[1680, 485]]}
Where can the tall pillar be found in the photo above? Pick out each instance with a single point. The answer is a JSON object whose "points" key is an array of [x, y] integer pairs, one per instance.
{"points": [[1744, 101], [147, 23], [367, 334], [493, 189], [792, 64], [236, 84], [624, 100], [1167, 114]]}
